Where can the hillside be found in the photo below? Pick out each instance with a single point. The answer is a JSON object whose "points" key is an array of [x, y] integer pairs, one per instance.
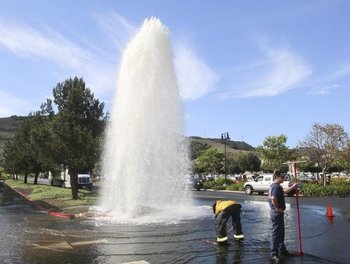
{"points": [[8, 127], [231, 147]]}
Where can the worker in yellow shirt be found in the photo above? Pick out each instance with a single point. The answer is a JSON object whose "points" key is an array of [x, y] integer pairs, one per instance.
{"points": [[223, 210]]}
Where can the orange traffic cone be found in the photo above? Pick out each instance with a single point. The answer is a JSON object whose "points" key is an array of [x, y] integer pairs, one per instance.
{"points": [[330, 211]]}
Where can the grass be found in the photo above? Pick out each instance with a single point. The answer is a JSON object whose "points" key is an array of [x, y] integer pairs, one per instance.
{"points": [[54, 196]]}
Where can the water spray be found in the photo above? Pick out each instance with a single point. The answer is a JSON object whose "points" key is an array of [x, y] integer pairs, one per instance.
{"points": [[146, 160]]}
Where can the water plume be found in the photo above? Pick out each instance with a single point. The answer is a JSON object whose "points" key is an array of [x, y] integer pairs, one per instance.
{"points": [[146, 157]]}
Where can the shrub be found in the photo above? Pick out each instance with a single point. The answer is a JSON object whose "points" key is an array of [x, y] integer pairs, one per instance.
{"points": [[338, 187], [209, 184], [236, 187], [218, 187], [218, 184], [221, 181]]}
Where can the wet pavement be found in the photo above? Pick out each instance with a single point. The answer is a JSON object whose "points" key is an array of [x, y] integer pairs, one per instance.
{"points": [[30, 236]]}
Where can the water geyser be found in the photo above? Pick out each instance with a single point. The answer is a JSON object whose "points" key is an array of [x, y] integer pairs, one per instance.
{"points": [[146, 159]]}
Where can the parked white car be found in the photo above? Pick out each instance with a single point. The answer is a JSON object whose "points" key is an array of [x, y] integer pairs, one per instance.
{"points": [[261, 184]]}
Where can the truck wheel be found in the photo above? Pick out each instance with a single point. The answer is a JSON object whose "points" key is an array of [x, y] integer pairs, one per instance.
{"points": [[260, 193], [248, 190]]}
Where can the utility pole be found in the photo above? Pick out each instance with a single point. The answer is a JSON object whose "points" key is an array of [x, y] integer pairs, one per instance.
{"points": [[225, 136]]}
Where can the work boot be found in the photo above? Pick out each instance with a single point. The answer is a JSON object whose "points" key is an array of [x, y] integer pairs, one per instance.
{"points": [[222, 240], [238, 237], [275, 259]]}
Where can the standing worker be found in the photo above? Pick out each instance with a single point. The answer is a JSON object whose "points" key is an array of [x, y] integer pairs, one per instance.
{"points": [[223, 210], [277, 206]]}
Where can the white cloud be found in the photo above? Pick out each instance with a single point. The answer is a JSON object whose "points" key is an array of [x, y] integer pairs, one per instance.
{"points": [[26, 41], [324, 90], [96, 67], [117, 28], [325, 84], [283, 70], [94, 64], [195, 77], [287, 69]]}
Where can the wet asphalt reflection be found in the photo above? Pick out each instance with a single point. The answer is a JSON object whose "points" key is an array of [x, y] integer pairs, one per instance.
{"points": [[30, 236]]}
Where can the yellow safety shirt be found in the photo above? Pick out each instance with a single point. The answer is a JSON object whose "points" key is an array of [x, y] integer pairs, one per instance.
{"points": [[222, 205]]}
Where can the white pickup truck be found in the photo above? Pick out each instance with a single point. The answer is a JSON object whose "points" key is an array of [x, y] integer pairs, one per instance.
{"points": [[261, 184]]}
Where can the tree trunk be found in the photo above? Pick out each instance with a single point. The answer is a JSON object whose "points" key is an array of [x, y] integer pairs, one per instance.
{"points": [[36, 178], [74, 183], [26, 177], [324, 177]]}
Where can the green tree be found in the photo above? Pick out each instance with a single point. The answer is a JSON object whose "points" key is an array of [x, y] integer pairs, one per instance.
{"points": [[233, 166], [210, 162], [76, 128], [40, 143], [273, 152], [11, 160], [248, 162], [18, 156], [324, 145], [344, 158], [23, 151], [197, 148]]}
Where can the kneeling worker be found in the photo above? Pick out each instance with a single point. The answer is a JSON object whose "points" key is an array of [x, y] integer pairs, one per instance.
{"points": [[223, 210]]}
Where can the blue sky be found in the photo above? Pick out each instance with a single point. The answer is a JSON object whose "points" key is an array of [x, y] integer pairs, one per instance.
{"points": [[250, 68]]}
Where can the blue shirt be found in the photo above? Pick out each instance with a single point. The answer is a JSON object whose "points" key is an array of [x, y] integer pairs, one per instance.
{"points": [[277, 191]]}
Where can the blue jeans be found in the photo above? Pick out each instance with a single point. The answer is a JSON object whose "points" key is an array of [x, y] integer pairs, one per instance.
{"points": [[277, 238]]}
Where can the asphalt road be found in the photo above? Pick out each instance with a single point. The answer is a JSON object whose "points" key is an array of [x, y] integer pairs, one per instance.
{"points": [[31, 236]]}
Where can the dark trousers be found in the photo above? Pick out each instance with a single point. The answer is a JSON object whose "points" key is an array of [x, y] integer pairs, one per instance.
{"points": [[277, 238], [233, 211]]}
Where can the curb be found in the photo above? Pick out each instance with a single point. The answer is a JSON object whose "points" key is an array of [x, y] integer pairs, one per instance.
{"points": [[62, 214], [40, 207]]}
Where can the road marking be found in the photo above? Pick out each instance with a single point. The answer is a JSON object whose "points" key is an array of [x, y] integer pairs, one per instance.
{"points": [[60, 245], [66, 245], [137, 262], [91, 242]]}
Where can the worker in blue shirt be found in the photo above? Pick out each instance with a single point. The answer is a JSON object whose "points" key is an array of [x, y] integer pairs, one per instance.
{"points": [[277, 207]]}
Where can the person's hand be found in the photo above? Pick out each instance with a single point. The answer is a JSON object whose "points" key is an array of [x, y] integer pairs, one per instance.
{"points": [[295, 185], [279, 210]]}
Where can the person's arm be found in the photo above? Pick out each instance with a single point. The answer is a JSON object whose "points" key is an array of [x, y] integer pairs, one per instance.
{"points": [[294, 186]]}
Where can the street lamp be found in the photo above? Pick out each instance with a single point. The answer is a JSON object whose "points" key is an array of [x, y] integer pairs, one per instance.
{"points": [[225, 136]]}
